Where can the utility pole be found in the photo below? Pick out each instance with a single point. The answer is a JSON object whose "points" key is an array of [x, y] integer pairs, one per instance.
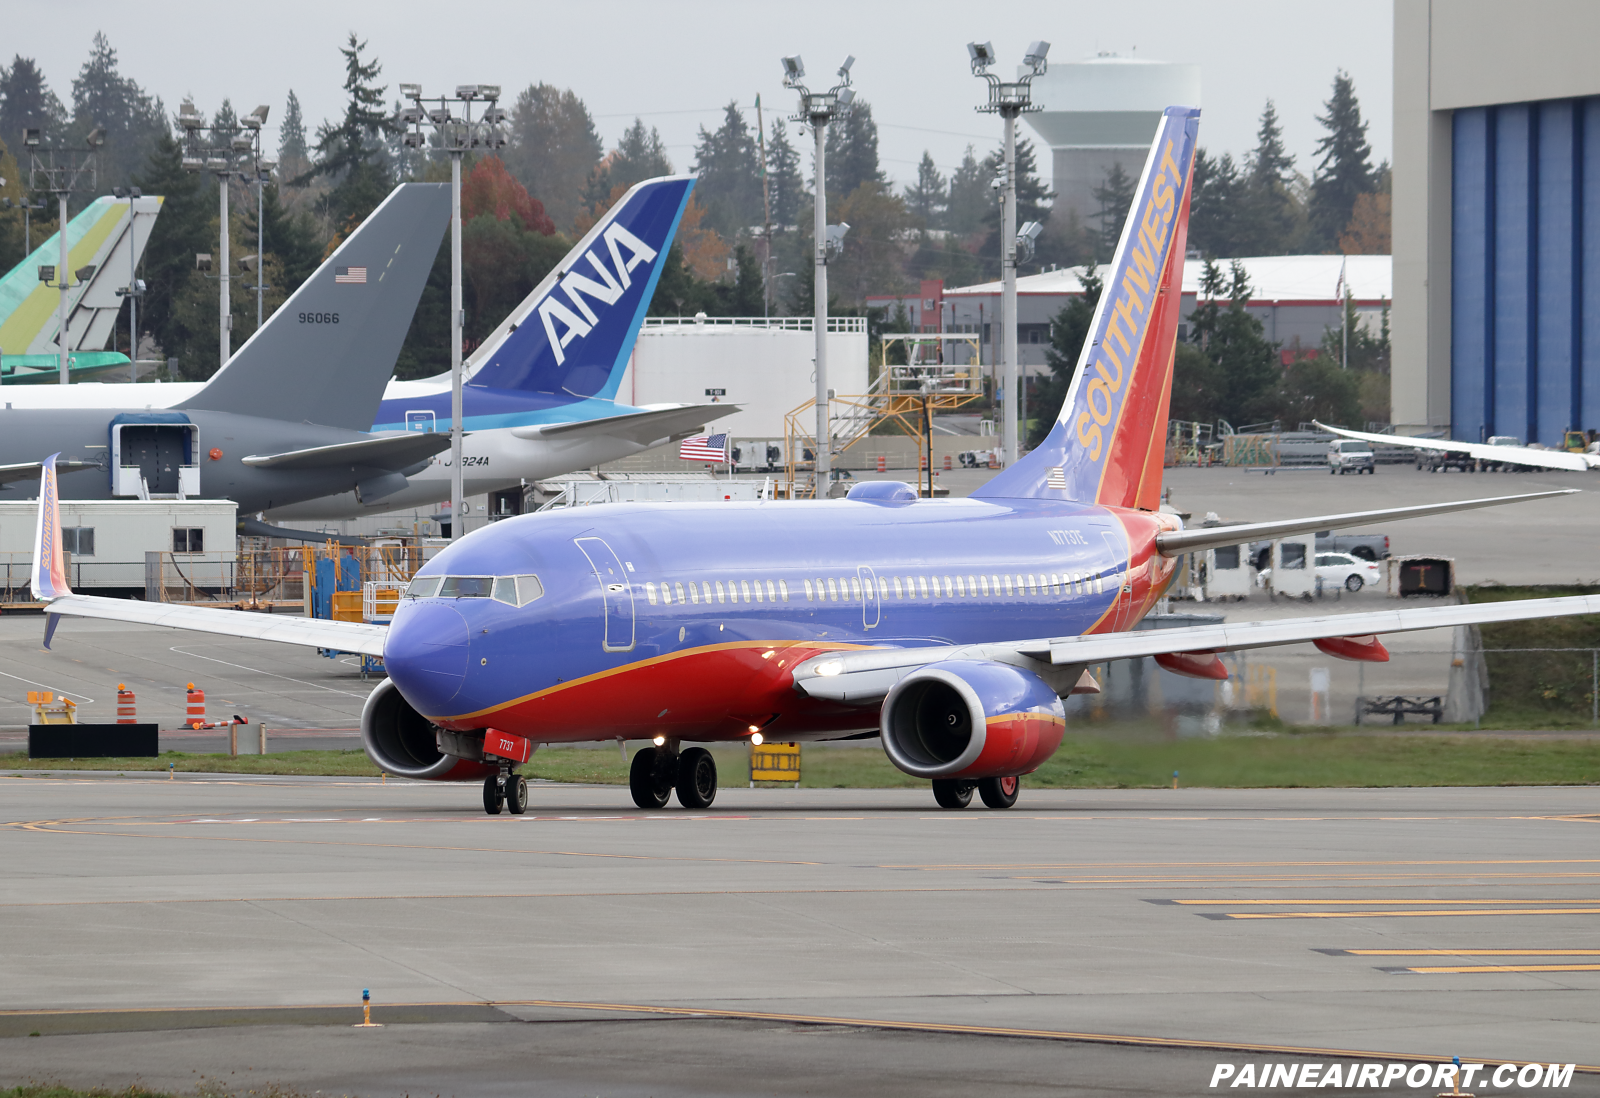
{"points": [[817, 109], [1009, 100], [457, 135], [60, 170]]}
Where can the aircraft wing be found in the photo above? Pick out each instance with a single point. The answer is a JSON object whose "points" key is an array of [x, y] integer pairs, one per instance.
{"points": [[643, 427], [27, 470], [865, 676], [393, 452], [345, 636], [1482, 451]]}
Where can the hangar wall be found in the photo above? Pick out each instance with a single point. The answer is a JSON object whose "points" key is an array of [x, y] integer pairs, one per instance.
{"points": [[1496, 217]]}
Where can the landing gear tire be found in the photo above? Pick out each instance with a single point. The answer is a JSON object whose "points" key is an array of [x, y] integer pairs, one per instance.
{"points": [[517, 794], [1353, 583], [1000, 792], [951, 793], [642, 781], [697, 778], [493, 799]]}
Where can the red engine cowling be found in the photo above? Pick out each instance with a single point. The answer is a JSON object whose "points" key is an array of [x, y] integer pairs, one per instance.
{"points": [[971, 719], [407, 744]]}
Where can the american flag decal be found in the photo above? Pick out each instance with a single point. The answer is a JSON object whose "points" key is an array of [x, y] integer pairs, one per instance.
{"points": [[1057, 478], [704, 448], [350, 276]]}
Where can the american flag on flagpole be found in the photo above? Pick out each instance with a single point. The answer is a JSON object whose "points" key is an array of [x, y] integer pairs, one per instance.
{"points": [[705, 448], [350, 276]]}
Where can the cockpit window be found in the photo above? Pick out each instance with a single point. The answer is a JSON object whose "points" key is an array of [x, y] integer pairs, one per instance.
{"points": [[517, 590], [466, 587], [424, 587]]}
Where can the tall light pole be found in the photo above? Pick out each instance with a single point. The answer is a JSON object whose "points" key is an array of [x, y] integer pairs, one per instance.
{"points": [[134, 290], [260, 175], [817, 109], [457, 136], [60, 170], [1009, 100]]}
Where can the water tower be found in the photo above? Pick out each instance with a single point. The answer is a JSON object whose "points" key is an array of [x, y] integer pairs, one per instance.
{"points": [[1101, 112]]}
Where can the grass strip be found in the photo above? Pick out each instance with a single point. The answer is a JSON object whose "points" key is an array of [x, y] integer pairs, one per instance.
{"points": [[1305, 760]]}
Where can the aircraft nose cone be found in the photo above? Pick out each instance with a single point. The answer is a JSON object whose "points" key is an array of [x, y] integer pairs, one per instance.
{"points": [[426, 655]]}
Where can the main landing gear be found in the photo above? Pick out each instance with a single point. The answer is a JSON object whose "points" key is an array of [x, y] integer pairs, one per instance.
{"points": [[995, 792], [507, 789], [657, 771]]}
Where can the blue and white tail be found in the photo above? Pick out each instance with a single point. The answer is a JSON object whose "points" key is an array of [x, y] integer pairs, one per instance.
{"points": [[572, 337]]}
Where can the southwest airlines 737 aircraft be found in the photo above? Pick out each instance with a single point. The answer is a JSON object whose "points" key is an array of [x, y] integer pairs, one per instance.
{"points": [[953, 628]]}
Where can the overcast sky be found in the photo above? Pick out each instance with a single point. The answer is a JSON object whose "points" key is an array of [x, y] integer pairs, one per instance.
{"points": [[676, 64]]}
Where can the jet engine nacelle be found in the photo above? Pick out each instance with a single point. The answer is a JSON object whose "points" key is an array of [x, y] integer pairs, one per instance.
{"points": [[408, 745], [971, 719]]}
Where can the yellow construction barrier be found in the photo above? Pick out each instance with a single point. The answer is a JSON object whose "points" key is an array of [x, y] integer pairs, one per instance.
{"points": [[775, 764]]}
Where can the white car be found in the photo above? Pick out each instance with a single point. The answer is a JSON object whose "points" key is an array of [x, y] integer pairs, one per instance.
{"points": [[1352, 573]]}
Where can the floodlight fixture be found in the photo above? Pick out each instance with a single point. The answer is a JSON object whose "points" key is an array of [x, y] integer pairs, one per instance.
{"points": [[489, 91], [86, 272], [1028, 240], [409, 116], [844, 98], [981, 55], [243, 142], [202, 261], [1035, 57], [466, 92], [411, 91], [247, 263], [193, 163], [96, 138], [46, 274], [413, 141], [260, 115], [793, 69], [833, 240], [31, 137], [116, 192], [844, 69], [218, 164], [494, 116], [188, 117], [440, 116], [135, 192]]}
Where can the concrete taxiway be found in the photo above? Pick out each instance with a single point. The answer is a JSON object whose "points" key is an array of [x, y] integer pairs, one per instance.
{"points": [[1408, 923]]}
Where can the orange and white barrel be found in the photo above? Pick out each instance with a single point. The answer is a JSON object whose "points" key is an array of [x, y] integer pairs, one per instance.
{"points": [[125, 706], [883, 463], [947, 463], [196, 715]]}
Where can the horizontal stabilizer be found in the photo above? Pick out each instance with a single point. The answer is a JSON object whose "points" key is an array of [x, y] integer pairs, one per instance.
{"points": [[1212, 537], [29, 470], [1479, 451], [392, 452], [255, 528], [641, 427]]}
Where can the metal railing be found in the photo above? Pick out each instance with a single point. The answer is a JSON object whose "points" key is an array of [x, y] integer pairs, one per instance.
{"points": [[843, 325]]}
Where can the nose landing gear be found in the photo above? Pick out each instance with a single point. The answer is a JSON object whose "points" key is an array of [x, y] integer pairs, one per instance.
{"points": [[657, 771], [507, 789]]}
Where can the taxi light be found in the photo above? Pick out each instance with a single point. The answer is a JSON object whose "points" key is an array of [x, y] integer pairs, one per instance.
{"points": [[830, 667], [756, 739], [660, 741]]}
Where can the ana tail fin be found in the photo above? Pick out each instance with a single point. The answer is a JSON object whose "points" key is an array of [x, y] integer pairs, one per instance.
{"points": [[573, 336], [49, 578], [1109, 443]]}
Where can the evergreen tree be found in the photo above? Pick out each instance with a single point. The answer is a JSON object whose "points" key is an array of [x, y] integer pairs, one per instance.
{"points": [[1068, 329], [785, 188], [639, 155], [26, 102], [926, 200], [852, 150], [729, 186], [1344, 171], [1243, 363], [1115, 198], [184, 228], [971, 197], [132, 121], [351, 153], [224, 121], [11, 233], [743, 296], [291, 238], [554, 148], [292, 136], [1215, 198], [1271, 217]]}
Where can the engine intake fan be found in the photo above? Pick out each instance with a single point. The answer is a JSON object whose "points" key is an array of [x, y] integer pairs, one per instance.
{"points": [[971, 719], [408, 745]]}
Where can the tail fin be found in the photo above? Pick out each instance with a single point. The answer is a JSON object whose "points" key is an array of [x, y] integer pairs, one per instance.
{"points": [[574, 334], [1109, 442], [328, 352], [99, 237], [49, 578]]}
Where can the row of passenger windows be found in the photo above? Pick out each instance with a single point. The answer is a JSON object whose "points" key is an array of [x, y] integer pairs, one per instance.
{"points": [[851, 589]]}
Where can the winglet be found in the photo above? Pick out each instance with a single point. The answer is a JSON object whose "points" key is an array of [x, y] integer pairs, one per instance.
{"points": [[49, 563]]}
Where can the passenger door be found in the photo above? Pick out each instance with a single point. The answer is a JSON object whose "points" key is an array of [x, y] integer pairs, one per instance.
{"points": [[871, 611], [616, 592]]}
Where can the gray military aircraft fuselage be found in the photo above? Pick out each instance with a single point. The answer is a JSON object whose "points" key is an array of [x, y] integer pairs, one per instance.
{"points": [[288, 417]]}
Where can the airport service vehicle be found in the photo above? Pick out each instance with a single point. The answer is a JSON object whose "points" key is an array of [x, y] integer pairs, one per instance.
{"points": [[1342, 570], [1351, 456], [540, 392], [951, 628], [1500, 452], [104, 243]]}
